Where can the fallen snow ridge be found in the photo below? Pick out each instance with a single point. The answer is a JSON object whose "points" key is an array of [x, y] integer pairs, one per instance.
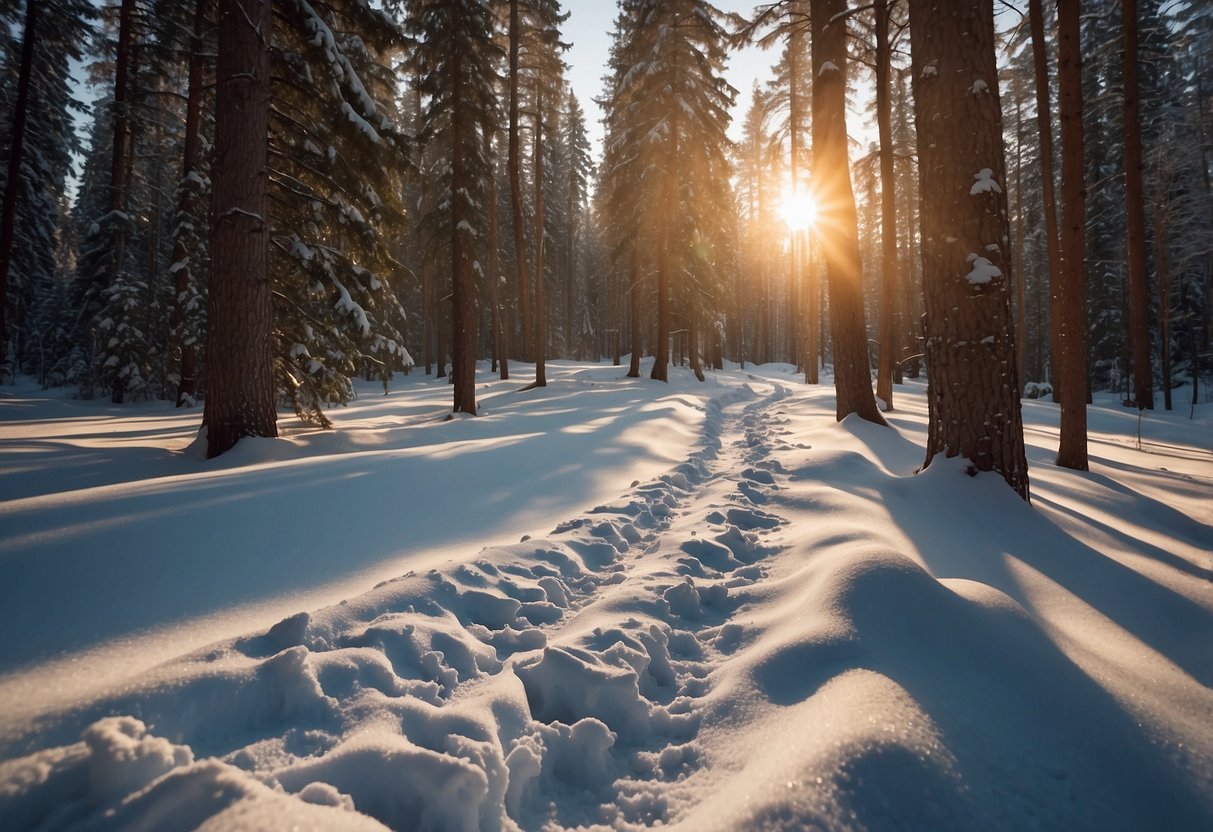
{"points": [[777, 624]]}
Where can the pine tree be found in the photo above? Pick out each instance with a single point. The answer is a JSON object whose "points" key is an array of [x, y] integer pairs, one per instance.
{"points": [[36, 97], [240, 389], [837, 228], [973, 390], [456, 50]]}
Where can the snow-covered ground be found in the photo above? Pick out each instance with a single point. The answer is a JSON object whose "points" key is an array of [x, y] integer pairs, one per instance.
{"points": [[611, 602]]}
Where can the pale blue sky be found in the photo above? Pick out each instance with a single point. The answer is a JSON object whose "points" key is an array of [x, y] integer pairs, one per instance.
{"points": [[589, 31]]}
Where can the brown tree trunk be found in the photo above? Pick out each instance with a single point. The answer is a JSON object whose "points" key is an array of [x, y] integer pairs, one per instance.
{"points": [[972, 388], [12, 187], [839, 228], [634, 303], [887, 355], [1139, 286], [1044, 123], [240, 372], [661, 355], [540, 318], [122, 159], [463, 304], [187, 195], [514, 162], [1162, 264], [427, 289], [1072, 452], [1021, 314], [693, 330], [501, 360]]}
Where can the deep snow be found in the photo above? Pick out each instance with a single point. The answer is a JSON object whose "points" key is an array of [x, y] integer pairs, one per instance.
{"points": [[611, 602]]}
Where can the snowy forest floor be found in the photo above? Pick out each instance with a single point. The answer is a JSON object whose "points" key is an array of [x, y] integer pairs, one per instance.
{"points": [[608, 602]]}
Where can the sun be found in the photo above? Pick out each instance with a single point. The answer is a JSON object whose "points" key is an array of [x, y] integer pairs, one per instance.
{"points": [[798, 209]]}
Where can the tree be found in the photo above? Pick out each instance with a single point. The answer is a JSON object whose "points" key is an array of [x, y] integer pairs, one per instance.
{"points": [[240, 391], [973, 389], [890, 282], [1044, 125], [837, 225], [1139, 287], [1072, 452], [457, 54]]}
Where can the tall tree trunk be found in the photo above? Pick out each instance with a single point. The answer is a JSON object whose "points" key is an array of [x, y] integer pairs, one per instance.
{"points": [[1021, 314], [634, 303], [540, 322], [12, 187], [886, 357], [500, 358], [514, 162], [795, 304], [693, 330], [1072, 452], [427, 289], [463, 306], [972, 388], [122, 159], [1044, 123], [661, 358], [240, 372], [1139, 286], [187, 195], [839, 230], [1162, 264]]}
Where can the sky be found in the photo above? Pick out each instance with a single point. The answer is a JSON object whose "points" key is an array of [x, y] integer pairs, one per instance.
{"points": [[588, 29]]}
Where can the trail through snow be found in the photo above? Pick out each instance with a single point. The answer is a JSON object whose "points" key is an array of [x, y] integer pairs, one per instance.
{"points": [[789, 628]]}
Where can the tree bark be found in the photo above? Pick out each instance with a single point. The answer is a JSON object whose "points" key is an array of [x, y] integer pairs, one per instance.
{"points": [[463, 305], [12, 185], [1139, 286], [1162, 264], [500, 358], [540, 321], [839, 229], [1044, 123], [240, 388], [1072, 452], [634, 317], [187, 195], [514, 162], [890, 284], [972, 387]]}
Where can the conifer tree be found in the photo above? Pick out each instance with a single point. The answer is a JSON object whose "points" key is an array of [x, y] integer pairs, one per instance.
{"points": [[973, 390], [456, 51], [240, 390]]}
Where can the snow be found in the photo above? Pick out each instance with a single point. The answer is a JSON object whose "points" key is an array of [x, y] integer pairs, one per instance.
{"points": [[984, 183], [979, 86], [826, 68], [981, 270], [608, 602]]}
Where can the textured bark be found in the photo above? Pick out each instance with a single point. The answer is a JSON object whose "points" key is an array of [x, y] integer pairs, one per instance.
{"points": [[1021, 313], [972, 388], [501, 361], [839, 228], [240, 376], [191, 145], [661, 354], [122, 160], [889, 287], [634, 317], [427, 289], [8, 224], [514, 163], [1072, 452], [1135, 218], [463, 303], [540, 322], [1162, 265], [1045, 126]]}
